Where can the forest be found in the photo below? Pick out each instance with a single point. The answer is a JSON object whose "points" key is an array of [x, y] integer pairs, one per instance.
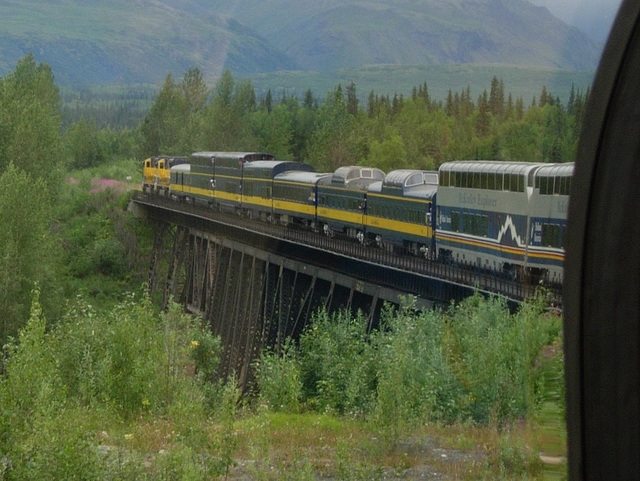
{"points": [[97, 383]]}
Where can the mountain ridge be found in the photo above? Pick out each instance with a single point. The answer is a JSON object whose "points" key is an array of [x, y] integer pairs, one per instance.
{"points": [[141, 41]]}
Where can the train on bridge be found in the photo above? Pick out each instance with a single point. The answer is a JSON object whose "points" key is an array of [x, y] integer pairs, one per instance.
{"points": [[504, 217]]}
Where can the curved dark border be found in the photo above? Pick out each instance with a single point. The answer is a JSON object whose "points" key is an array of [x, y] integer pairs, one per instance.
{"points": [[602, 270]]}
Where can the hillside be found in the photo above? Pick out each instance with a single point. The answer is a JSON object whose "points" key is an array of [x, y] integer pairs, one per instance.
{"points": [[132, 41], [140, 41]]}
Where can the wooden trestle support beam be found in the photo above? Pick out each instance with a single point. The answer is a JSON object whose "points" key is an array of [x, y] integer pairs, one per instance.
{"points": [[250, 298]]}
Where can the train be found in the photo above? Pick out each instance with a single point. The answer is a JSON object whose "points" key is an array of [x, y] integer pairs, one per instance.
{"points": [[504, 217]]}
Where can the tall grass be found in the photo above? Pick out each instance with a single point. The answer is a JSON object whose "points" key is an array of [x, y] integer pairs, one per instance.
{"points": [[69, 392], [473, 362]]}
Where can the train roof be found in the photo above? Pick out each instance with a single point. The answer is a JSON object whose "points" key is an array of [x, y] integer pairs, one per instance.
{"points": [[375, 187], [275, 167], [250, 156], [410, 177], [172, 160], [355, 176], [301, 177], [181, 168], [423, 191], [556, 170], [493, 166]]}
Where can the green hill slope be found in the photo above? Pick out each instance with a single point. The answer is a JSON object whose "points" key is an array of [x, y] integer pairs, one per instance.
{"points": [[131, 41]]}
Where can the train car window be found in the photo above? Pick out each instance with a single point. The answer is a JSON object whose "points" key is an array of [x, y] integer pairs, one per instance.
{"points": [[514, 183], [455, 221], [466, 223], [551, 181], [506, 182]]}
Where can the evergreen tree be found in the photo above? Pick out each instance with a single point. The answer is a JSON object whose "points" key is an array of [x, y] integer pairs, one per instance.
{"points": [[352, 99], [225, 122], [268, 101], [371, 104], [164, 127], [449, 105], [496, 98], [308, 100], [483, 120], [330, 145], [194, 90], [519, 108], [509, 108], [424, 94]]}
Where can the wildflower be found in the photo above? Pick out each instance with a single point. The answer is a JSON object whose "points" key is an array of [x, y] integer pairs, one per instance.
{"points": [[194, 344]]}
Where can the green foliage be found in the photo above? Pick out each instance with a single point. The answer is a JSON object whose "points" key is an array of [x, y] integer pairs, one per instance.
{"points": [[28, 251], [164, 129], [104, 246], [83, 144], [30, 121], [475, 362], [125, 363], [416, 383], [225, 122], [338, 364], [512, 459], [274, 130], [414, 132], [278, 378]]}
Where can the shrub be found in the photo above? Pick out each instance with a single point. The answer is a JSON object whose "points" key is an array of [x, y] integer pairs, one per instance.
{"points": [[338, 364], [278, 378]]}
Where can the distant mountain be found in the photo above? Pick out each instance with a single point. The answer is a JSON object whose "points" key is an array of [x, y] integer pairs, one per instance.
{"points": [[327, 34], [140, 41], [594, 17]]}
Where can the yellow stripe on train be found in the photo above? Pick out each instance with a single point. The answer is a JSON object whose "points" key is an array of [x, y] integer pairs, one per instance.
{"points": [[308, 209], [531, 251], [399, 226]]}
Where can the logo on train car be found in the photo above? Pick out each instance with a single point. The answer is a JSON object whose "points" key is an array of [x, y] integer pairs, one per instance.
{"points": [[481, 200]]}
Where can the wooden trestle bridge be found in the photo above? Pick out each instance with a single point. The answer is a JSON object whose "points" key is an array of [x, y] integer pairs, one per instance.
{"points": [[257, 283]]}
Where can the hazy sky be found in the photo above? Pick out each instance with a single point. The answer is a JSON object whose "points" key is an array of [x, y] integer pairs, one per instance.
{"points": [[595, 17]]}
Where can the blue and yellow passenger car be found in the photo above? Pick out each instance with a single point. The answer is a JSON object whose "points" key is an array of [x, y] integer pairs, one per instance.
{"points": [[342, 199], [400, 211]]}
